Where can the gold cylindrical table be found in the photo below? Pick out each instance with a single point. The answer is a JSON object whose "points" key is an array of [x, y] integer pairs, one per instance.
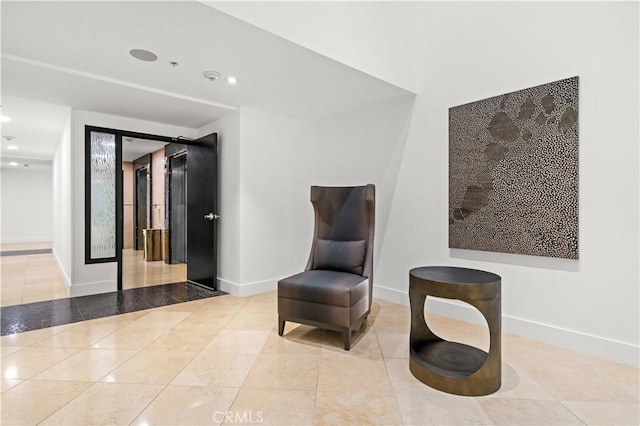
{"points": [[451, 366]]}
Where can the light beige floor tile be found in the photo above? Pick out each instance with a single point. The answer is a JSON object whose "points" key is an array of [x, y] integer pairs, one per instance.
{"points": [[33, 401], [106, 404], [37, 297], [562, 382], [159, 319], [276, 371], [403, 381], [362, 344], [224, 369], [273, 407], [77, 337], [9, 383], [389, 323], [131, 339], [624, 376], [31, 361], [303, 334], [605, 413], [392, 309], [8, 350], [188, 405], [522, 411], [339, 372], [150, 367], [262, 303], [517, 384], [416, 409], [206, 318], [394, 345], [289, 345], [253, 321], [29, 338], [182, 339], [356, 408], [238, 341], [227, 303], [86, 365]]}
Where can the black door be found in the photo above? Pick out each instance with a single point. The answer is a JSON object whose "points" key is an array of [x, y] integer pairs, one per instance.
{"points": [[202, 204], [177, 192], [142, 205]]}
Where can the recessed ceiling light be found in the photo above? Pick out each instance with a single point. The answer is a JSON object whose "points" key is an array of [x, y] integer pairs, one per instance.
{"points": [[211, 75], [12, 147], [143, 55], [5, 119], [13, 163], [232, 80]]}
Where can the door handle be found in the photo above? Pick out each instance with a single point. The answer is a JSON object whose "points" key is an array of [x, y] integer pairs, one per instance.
{"points": [[211, 216]]}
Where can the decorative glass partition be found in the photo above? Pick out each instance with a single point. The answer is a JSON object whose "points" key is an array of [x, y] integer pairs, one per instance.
{"points": [[100, 192]]}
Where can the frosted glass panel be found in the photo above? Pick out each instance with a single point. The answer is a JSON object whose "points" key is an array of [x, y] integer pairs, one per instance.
{"points": [[103, 195]]}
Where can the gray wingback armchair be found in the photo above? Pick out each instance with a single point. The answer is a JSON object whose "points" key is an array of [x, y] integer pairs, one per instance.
{"points": [[336, 288]]}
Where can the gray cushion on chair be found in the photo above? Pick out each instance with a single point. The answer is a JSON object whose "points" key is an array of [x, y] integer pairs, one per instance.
{"points": [[345, 256], [328, 287]]}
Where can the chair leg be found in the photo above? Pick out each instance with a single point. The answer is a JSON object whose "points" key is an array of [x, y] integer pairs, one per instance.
{"points": [[280, 326], [347, 339]]}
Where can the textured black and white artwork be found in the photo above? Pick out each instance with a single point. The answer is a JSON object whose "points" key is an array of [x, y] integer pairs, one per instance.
{"points": [[513, 172]]}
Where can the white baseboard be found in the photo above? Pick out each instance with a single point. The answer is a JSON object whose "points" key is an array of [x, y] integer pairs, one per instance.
{"points": [[391, 295], [88, 289], [63, 273], [601, 347], [249, 289]]}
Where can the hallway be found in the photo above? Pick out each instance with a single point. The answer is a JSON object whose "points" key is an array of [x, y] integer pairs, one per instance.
{"points": [[138, 273], [29, 278]]}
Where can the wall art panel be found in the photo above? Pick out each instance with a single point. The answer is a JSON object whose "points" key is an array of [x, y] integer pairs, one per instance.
{"points": [[513, 172]]}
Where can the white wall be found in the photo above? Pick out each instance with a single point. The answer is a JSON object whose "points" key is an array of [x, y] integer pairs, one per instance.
{"points": [[378, 38], [62, 174], [267, 165], [26, 205], [277, 167], [100, 277], [366, 147], [471, 51]]}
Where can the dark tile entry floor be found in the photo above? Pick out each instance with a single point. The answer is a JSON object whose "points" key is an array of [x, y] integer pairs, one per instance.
{"points": [[33, 316]]}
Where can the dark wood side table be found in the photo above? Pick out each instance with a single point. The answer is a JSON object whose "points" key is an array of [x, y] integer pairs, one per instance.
{"points": [[450, 366]]}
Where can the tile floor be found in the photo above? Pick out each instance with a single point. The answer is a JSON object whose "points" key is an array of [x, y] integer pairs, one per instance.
{"points": [[35, 277], [29, 278], [33, 316], [136, 272], [220, 360]]}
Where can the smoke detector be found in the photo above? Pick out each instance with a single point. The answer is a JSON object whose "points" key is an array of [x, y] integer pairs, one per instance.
{"points": [[212, 75]]}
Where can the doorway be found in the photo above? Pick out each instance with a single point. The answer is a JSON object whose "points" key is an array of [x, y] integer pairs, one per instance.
{"points": [[185, 217]]}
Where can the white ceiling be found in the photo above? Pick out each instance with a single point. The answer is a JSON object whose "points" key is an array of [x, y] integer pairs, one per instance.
{"points": [[35, 128], [76, 54], [134, 148]]}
